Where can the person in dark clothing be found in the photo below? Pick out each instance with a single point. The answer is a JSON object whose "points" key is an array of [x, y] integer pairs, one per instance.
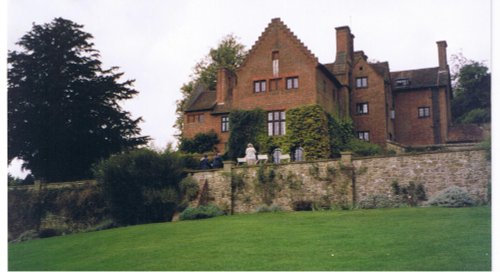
{"points": [[204, 163], [217, 163]]}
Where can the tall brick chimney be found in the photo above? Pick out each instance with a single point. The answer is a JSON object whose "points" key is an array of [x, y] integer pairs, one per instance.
{"points": [[345, 44], [225, 85], [344, 57], [443, 63]]}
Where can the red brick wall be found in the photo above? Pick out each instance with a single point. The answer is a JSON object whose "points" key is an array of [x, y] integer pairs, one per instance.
{"points": [[293, 61], [328, 96], [375, 95], [410, 129], [210, 122]]}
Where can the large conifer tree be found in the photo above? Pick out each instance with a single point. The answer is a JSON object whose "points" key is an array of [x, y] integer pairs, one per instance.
{"points": [[63, 108]]}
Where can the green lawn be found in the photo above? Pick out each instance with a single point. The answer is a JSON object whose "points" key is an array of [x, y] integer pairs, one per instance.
{"points": [[384, 239]]}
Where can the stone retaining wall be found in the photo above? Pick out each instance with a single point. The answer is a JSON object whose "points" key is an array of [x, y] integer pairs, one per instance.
{"points": [[343, 183]]}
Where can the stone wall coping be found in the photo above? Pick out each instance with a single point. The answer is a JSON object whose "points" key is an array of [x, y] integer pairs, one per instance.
{"points": [[409, 154], [54, 185], [354, 158]]}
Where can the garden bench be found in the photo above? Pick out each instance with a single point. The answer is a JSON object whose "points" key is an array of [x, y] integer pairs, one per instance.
{"points": [[285, 157], [241, 161], [262, 158]]}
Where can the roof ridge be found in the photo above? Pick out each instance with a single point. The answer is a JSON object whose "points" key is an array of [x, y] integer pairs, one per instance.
{"points": [[420, 69]]}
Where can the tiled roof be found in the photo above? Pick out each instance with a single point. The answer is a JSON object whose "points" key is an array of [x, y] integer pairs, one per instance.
{"points": [[420, 78], [381, 68], [201, 99]]}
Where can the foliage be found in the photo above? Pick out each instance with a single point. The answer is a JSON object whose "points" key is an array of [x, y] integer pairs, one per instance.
{"points": [[412, 193], [452, 197], [388, 239], [201, 212], [472, 91], [341, 131], [486, 144], [63, 107], [266, 184], [67, 210], [229, 54], [189, 188], [307, 126], [141, 186], [246, 127], [267, 208], [377, 201], [363, 148], [200, 143]]}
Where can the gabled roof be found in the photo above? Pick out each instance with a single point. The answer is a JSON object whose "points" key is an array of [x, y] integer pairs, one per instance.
{"points": [[275, 24], [420, 78], [201, 99]]}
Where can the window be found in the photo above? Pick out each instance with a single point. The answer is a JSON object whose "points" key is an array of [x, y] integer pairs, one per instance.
{"points": [[292, 83], [424, 112], [259, 86], [224, 124], [364, 135], [274, 84], [361, 82], [195, 118], [362, 108], [276, 123], [400, 82], [276, 64]]}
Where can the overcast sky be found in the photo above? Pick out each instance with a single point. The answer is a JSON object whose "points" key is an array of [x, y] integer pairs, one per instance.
{"points": [[157, 43]]}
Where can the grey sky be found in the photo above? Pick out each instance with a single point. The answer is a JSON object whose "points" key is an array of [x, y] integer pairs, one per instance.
{"points": [[158, 42]]}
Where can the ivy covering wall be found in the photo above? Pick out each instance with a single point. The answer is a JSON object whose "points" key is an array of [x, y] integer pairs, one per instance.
{"points": [[307, 126], [321, 135], [246, 127]]}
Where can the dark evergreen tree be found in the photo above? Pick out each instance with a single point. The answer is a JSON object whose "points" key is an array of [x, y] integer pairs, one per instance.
{"points": [[63, 108]]}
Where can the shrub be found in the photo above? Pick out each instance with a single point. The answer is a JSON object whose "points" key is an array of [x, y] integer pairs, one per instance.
{"points": [[267, 208], [452, 197], [411, 194], [201, 212], [189, 188], [362, 148], [340, 131], [378, 201], [141, 186], [200, 143]]}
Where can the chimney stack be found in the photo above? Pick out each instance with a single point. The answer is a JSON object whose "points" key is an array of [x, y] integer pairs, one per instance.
{"points": [[225, 85], [345, 45], [443, 63]]}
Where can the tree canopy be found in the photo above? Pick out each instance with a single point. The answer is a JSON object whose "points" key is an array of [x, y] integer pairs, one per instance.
{"points": [[63, 108], [229, 54], [472, 91]]}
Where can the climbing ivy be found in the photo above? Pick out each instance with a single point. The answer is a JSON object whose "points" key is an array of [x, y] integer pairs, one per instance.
{"points": [[246, 126], [307, 126]]}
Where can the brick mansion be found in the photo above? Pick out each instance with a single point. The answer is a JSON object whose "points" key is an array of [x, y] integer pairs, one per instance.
{"points": [[409, 107]]}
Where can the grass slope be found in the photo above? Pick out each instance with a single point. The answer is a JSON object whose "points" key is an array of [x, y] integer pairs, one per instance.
{"points": [[385, 239]]}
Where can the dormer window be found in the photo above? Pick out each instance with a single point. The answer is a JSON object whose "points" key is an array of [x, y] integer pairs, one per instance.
{"points": [[401, 82]]}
